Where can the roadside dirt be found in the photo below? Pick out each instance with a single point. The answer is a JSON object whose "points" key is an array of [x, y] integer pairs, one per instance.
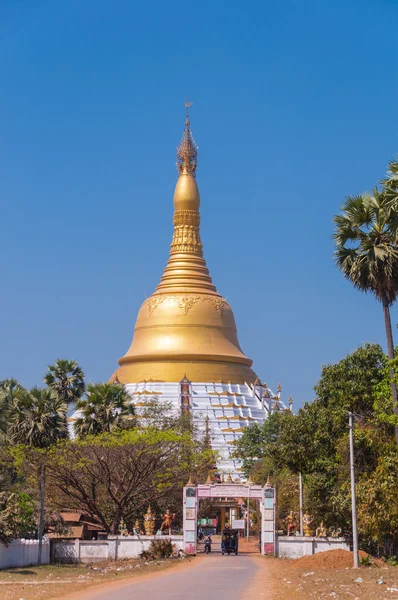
{"points": [[76, 582], [324, 576]]}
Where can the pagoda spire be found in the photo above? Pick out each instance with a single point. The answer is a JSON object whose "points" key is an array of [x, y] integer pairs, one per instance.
{"points": [[186, 269], [187, 150]]}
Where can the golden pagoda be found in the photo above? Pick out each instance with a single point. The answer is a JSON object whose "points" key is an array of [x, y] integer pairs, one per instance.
{"points": [[186, 327]]}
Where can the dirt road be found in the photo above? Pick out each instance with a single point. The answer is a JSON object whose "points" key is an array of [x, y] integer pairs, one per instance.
{"points": [[212, 577]]}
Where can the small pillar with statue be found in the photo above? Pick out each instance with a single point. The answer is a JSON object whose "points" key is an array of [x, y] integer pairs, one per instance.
{"points": [[167, 521], [149, 522]]}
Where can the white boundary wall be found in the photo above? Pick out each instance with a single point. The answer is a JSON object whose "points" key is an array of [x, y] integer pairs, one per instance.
{"points": [[295, 546], [113, 548], [23, 553]]}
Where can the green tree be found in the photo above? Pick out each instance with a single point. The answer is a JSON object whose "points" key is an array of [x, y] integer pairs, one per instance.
{"points": [[366, 239], [315, 441], [115, 475], [378, 500], [66, 379], [106, 407], [37, 418], [258, 441], [8, 390], [391, 182], [17, 517]]}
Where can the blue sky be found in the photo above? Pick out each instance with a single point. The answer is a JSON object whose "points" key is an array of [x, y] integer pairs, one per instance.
{"points": [[294, 108]]}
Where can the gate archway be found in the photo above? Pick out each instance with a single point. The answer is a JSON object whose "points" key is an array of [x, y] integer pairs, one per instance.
{"points": [[193, 494]]}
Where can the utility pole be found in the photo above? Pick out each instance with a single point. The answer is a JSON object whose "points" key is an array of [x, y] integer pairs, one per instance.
{"points": [[301, 504], [248, 514], [353, 492], [41, 521]]}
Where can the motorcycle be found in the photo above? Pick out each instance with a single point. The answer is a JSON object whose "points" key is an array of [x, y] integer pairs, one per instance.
{"points": [[208, 545]]}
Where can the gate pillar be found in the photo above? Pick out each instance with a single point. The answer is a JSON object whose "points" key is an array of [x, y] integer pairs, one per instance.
{"points": [[190, 517], [268, 516]]}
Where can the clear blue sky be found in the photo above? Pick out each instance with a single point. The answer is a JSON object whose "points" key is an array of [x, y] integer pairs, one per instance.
{"points": [[295, 107]]}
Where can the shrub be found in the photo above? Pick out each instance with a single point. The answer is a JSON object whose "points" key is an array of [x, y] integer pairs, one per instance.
{"points": [[158, 549], [366, 561]]}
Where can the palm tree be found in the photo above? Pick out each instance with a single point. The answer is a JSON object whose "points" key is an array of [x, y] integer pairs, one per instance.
{"points": [[66, 379], [391, 183], [366, 239], [8, 390], [37, 418], [105, 408]]}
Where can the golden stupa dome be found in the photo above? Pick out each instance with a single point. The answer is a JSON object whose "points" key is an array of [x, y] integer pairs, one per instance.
{"points": [[185, 327]]}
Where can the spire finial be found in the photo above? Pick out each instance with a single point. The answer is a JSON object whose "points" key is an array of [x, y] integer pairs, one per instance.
{"points": [[250, 480], [188, 104], [187, 151], [190, 482]]}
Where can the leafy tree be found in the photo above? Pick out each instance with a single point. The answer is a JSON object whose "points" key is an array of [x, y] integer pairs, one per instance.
{"points": [[37, 418], [16, 516], [66, 379], [315, 442], [258, 441], [378, 500], [106, 407], [115, 475], [366, 239]]}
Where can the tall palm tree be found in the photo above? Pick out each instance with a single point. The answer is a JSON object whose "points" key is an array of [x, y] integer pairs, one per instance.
{"points": [[105, 408], [66, 379], [37, 418], [9, 388], [366, 240]]}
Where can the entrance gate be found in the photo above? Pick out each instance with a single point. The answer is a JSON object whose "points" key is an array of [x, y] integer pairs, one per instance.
{"points": [[194, 493]]}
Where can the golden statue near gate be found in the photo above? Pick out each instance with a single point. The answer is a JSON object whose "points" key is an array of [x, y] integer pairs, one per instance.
{"points": [[291, 523], [149, 522], [321, 531], [307, 525], [167, 521]]}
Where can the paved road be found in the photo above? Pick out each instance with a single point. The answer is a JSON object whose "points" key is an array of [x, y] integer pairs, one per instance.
{"points": [[213, 577]]}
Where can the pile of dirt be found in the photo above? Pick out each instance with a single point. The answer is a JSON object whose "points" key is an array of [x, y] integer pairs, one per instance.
{"points": [[332, 559]]}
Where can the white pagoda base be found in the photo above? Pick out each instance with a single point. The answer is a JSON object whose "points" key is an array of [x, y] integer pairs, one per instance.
{"points": [[230, 408]]}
